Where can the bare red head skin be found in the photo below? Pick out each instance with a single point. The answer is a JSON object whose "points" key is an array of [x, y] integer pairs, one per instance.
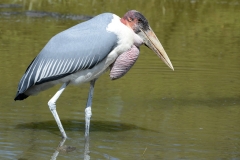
{"points": [[139, 24], [135, 20]]}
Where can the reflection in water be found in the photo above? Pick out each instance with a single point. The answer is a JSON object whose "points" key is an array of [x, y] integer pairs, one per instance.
{"points": [[55, 154], [86, 148], [62, 148], [78, 126], [66, 149]]}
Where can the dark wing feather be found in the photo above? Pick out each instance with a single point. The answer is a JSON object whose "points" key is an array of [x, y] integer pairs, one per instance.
{"points": [[80, 47]]}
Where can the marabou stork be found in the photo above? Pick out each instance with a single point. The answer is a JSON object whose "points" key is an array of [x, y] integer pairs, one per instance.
{"points": [[84, 52]]}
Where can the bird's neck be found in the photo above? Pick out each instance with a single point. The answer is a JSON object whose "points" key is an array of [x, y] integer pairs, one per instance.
{"points": [[124, 21]]}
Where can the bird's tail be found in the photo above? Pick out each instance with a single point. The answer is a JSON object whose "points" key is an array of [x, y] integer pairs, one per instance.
{"points": [[20, 96]]}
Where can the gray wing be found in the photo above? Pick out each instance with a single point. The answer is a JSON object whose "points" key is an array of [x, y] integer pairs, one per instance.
{"points": [[80, 47]]}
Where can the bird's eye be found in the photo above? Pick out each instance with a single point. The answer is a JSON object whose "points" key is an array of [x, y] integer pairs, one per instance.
{"points": [[130, 19]]}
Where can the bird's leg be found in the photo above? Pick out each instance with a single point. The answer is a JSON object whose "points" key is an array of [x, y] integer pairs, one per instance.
{"points": [[52, 107], [88, 112]]}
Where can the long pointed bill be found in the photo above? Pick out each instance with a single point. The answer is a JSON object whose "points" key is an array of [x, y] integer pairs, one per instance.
{"points": [[151, 40]]}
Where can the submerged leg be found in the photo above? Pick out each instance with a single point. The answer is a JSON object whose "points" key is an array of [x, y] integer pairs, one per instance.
{"points": [[55, 154], [52, 107], [88, 112]]}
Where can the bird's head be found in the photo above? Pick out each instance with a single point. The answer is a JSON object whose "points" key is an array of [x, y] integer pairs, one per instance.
{"points": [[139, 24]]}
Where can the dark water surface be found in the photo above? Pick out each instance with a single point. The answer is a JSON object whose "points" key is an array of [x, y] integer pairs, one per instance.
{"points": [[150, 113]]}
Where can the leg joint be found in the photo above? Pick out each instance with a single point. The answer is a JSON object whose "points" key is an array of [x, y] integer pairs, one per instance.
{"points": [[52, 105], [88, 112]]}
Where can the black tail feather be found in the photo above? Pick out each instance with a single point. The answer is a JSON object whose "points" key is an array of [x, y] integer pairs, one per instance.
{"points": [[20, 96]]}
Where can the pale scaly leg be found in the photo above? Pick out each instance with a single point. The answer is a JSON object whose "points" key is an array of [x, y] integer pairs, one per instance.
{"points": [[52, 107], [88, 112]]}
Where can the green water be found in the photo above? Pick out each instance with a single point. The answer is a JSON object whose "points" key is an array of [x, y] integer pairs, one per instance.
{"points": [[150, 113]]}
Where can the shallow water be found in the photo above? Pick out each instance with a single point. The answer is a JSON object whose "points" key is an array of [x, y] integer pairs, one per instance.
{"points": [[150, 113]]}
